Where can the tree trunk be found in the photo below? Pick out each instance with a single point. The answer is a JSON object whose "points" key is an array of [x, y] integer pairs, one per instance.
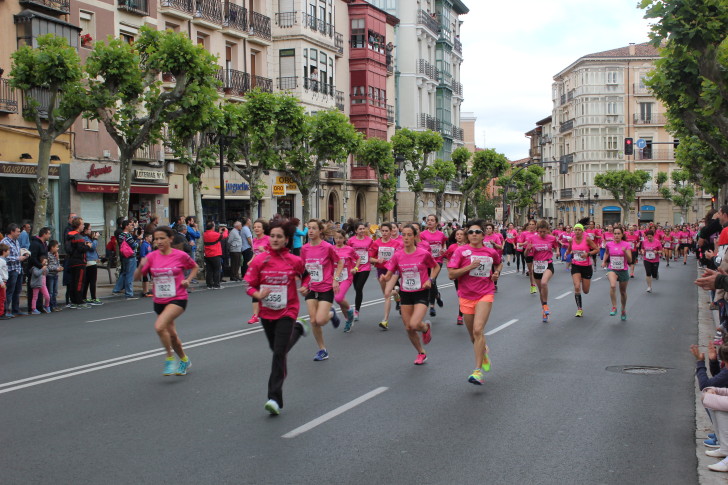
{"points": [[625, 212], [122, 208], [305, 195], [199, 217], [439, 202], [416, 209], [40, 216]]}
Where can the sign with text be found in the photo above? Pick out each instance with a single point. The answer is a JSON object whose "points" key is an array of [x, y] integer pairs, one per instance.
{"points": [[26, 170], [279, 190], [287, 181], [97, 171], [140, 174]]}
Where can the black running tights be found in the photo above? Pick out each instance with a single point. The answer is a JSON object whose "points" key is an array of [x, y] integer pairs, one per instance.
{"points": [[360, 280]]}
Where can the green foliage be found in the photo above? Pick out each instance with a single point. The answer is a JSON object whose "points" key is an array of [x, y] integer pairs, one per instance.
{"points": [[623, 185], [523, 185], [460, 157], [682, 193], [377, 154], [439, 173], [705, 168], [661, 178], [415, 147], [484, 208]]}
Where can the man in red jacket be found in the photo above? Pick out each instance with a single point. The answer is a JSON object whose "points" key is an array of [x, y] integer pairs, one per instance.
{"points": [[213, 255]]}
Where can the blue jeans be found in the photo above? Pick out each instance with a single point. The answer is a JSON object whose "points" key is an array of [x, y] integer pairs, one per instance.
{"points": [[12, 295], [126, 277], [52, 285]]}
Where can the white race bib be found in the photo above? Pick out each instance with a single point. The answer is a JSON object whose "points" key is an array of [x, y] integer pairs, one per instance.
{"points": [[540, 266], [363, 256], [667, 245], [580, 256], [617, 262], [488, 244], [649, 255], [165, 287], [486, 265], [411, 281], [591, 235], [385, 254], [519, 246], [344, 275], [436, 249], [277, 299], [316, 271]]}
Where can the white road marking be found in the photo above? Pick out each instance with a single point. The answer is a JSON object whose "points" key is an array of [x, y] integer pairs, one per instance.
{"points": [[505, 325], [563, 295], [120, 316], [336, 412], [597, 279]]}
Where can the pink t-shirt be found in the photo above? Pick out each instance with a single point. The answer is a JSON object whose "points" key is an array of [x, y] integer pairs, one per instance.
{"points": [[542, 247], [350, 258], [592, 234], [451, 250], [511, 236], [167, 273], [580, 252], [617, 255], [633, 239], [667, 239], [490, 241], [565, 238], [260, 244], [521, 240], [276, 271], [607, 237], [361, 246], [652, 249], [383, 251], [437, 241], [414, 269], [476, 283], [320, 261]]}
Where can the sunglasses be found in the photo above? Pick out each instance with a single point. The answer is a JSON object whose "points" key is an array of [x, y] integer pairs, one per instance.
{"points": [[475, 231]]}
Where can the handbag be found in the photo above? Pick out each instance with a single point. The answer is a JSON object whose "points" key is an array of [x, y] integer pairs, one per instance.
{"points": [[126, 250]]}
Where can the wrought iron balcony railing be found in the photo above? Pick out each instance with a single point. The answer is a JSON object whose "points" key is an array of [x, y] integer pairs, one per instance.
{"points": [[288, 83], [181, 5], [426, 19], [41, 98], [427, 70], [262, 83], [458, 46], [235, 17], [566, 126], [55, 6], [8, 97], [339, 42], [650, 119], [260, 26], [286, 20], [234, 82], [139, 7], [210, 10], [340, 100]]}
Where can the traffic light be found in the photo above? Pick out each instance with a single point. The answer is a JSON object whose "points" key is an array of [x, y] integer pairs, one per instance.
{"points": [[628, 146]]}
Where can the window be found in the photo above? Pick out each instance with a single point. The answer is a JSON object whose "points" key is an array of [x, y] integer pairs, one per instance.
{"points": [[612, 108], [128, 38], [90, 125], [172, 27], [357, 33], [646, 112], [88, 27], [30, 26], [358, 95], [612, 77], [611, 142], [202, 40]]}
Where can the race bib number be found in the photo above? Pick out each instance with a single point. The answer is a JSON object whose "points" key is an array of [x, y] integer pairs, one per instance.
{"points": [[488, 244], [436, 250], [580, 256], [683, 241], [649, 255], [277, 299], [485, 267], [591, 235], [343, 276], [165, 287], [667, 245], [519, 246], [540, 266], [385, 254], [617, 262], [316, 271], [363, 256], [411, 281]]}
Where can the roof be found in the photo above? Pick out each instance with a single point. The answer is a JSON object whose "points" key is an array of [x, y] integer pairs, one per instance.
{"points": [[645, 49], [460, 7], [27, 15]]}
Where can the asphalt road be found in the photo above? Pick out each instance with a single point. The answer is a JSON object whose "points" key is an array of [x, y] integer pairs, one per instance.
{"points": [[84, 400]]}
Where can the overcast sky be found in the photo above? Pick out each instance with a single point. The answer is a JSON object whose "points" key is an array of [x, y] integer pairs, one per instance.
{"points": [[512, 50]]}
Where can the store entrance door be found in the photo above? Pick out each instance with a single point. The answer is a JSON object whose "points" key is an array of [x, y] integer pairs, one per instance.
{"points": [[285, 206]]}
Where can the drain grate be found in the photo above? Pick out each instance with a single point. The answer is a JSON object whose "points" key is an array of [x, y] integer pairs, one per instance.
{"points": [[643, 370]]}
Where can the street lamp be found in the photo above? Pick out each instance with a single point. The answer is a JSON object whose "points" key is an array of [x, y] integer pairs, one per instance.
{"points": [[222, 141], [589, 209], [399, 165]]}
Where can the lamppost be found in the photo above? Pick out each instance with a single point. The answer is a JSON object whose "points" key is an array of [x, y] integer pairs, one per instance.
{"points": [[399, 161], [222, 141], [589, 209], [463, 176]]}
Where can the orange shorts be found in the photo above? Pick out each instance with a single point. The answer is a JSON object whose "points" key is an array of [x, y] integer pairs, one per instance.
{"points": [[468, 306]]}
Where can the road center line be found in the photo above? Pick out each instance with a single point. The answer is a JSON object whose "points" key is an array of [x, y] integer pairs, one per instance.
{"points": [[332, 414], [120, 316], [505, 325], [563, 295], [597, 279]]}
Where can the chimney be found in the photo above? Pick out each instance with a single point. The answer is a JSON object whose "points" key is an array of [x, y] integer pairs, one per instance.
{"points": [[632, 49]]}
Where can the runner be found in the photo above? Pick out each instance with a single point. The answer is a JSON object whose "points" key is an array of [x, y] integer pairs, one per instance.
{"points": [[380, 252], [529, 231], [633, 238], [417, 268], [685, 241], [324, 267], [438, 242], [261, 242], [520, 244], [618, 257], [581, 249], [351, 259], [476, 267], [361, 243], [651, 251], [607, 236], [595, 235], [564, 241], [510, 247], [457, 238], [272, 280], [166, 266], [541, 246]]}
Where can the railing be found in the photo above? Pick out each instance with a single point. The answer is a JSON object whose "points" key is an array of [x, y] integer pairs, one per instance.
{"points": [[570, 95], [335, 174], [234, 81], [209, 10], [181, 5], [390, 113], [427, 69], [8, 97], [428, 122], [424, 18], [457, 88], [263, 83], [312, 84], [140, 7], [566, 126], [150, 152], [260, 26], [650, 119], [650, 154], [566, 194], [339, 42], [390, 68], [319, 25], [563, 99], [641, 89], [458, 46], [458, 133], [236, 17], [43, 99], [287, 83], [286, 20], [340, 100], [363, 173], [56, 5]]}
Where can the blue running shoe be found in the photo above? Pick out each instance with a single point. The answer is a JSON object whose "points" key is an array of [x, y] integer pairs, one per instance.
{"points": [[335, 321], [711, 443], [183, 366], [350, 316], [170, 367], [712, 436], [321, 355]]}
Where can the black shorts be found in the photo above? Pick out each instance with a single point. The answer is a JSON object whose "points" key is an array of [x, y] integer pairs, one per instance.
{"points": [[321, 296], [159, 307], [509, 248], [684, 246], [586, 272], [529, 259], [652, 268], [538, 276], [421, 297]]}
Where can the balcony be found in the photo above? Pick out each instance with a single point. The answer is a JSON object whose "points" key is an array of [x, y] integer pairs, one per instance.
{"points": [[458, 133], [178, 8], [650, 119], [316, 86], [53, 7], [148, 153], [234, 82], [641, 89], [390, 68], [43, 99], [570, 96], [457, 89], [426, 69], [286, 20], [339, 43], [650, 154], [235, 19], [340, 100], [138, 7], [260, 26], [566, 126], [427, 20], [208, 12], [458, 46], [566, 194], [390, 114], [265, 84], [363, 173], [288, 83], [8, 97], [427, 122], [335, 175]]}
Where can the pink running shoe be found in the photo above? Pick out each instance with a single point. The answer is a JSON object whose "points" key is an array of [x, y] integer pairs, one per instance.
{"points": [[421, 358], [427, 336], [253, 319], [460, 320]]}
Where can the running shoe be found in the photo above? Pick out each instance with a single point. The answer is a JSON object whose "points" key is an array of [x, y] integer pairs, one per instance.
{"points": [[439, 300], [253, 319], [534, 290], [476, 377], [433, 313], [321, 355], [545, 317], [305, 327], [86, 306], [384, 325], [272, 407], [486, 361], [96, 302], [649, 290], [183, 366], [527, 273], [427, 336], [421, 359], [349, 316], [624, 316], [47, 309], [711, 443], [395, 294], [36, 311], [712, 436], [88, 301], [579, 313], [72, 306], [460, 320], [546, 310], [170, 366], [613, 311], [335, 321], [631, 276], [356, 315]]}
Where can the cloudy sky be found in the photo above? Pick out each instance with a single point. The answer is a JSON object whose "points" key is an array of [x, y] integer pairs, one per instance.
{"points": [[512, 50]]}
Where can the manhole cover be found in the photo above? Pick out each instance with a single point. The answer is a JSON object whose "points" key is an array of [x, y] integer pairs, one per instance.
{"points": [[644, 370]]}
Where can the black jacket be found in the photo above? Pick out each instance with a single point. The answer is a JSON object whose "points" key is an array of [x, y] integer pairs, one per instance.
{"points": [[38, 250], [76, 247]]}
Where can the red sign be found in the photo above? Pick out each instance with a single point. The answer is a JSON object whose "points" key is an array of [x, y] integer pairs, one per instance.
{"points": [[112, 188], [95, 172]]}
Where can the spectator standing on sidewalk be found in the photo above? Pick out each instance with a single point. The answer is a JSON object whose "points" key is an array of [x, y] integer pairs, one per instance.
{"points": [[4, 251], [213, 255], [92, 260], [24, 238], [67, 274], [38, 251], [298, 236], [76, 249], [38, 285], [54, 266], [144, 250], [247, 236], [15, 272], [193, 234], [128, 260], [235, 247]]}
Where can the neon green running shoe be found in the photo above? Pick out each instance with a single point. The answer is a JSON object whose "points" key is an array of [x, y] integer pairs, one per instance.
{"points": [[486, 361], [476, 377]]}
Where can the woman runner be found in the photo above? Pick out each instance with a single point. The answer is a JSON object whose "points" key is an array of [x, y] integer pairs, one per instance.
{"points": [[324, 268], [457, 238], [595, 235], [581, 249], [166, 266], [272, 279], [685, 241], [667, 245], [380, 252], [528, 232], [510, 248], [417, 268], [618, 256], [542, 246], [260, 245], [361, 243], [438, 242], [351, 259], [651, 252], [633, 237], [476, 267]]}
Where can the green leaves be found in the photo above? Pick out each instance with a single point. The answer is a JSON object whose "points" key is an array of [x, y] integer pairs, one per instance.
{"points": [[623, 185]]}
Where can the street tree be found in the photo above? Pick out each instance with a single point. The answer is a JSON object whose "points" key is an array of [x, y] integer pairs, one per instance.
{"points": [[691, 76], [486, 166], [51, 79], [623, 185], [127, 96], [702, 164], [377, 154], [416, 147], [521, 187], [482, 206], [440, 173], [682, 193], [328, 140], [257, 132]]}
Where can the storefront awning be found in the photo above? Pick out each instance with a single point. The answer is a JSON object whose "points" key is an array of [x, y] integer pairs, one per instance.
{"points": [[112, 188], [611, 208], [227, 197]]}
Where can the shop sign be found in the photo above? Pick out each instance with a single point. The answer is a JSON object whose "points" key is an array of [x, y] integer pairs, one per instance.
{"points": [[96, 171], [279, 190], [233, 187], [26, 170], [149, 174], [288, 181]]}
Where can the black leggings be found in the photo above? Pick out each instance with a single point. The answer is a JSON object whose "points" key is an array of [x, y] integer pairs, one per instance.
{"points": [[433, 290], [89, 281], [360, 280], [519, 259], [282, 335]]}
